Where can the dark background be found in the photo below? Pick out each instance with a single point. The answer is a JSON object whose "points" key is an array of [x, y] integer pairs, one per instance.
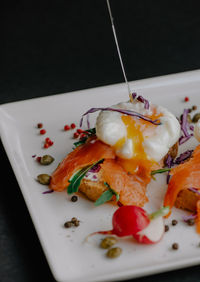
{"points": [[61, 46]]}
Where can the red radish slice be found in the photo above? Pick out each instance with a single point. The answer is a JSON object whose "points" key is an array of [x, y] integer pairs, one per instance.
{"points": [[127, 220], [153, 233]]}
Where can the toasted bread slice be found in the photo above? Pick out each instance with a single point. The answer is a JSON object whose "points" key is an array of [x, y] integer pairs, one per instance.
{"points": [[187, 200], [93, 189]]}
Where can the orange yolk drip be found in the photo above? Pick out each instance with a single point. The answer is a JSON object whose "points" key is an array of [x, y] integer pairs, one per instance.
{"points": [[135, 132]]}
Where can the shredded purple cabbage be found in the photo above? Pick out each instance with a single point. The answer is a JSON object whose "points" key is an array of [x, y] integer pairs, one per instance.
{"points": [[126, 112], [195, 190], [184, 127], [146, 104], [188, 217], [142, 100], [169, 163], [95, 168], [48, 192], [192, 127], [184, 156], [184, 139], [134, 95], [88, 122], [184, 123]]}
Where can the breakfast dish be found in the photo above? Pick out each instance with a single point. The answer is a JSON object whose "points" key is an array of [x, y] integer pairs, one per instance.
{"points": [[129, 141], [64, 247]]}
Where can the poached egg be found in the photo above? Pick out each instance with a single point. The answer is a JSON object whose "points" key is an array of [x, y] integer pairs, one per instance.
{"points": [[135, 139]]}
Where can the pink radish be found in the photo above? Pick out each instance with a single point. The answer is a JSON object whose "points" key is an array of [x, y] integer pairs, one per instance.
{"points": [[133, 220], [128, 220]]}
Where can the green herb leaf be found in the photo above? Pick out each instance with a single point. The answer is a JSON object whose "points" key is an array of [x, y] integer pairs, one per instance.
{"points": [[89, 132], [106, 196], [160, 170], [80, 142], [75, 180]]}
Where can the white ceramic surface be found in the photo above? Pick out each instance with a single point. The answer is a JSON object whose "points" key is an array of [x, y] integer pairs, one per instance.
{"points": [[71, 259]]}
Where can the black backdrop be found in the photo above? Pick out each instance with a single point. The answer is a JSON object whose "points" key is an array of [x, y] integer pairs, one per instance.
{"points": [[55, 47]]}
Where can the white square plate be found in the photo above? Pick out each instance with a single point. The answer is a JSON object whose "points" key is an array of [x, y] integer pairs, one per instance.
{"points": [[69, 258]]}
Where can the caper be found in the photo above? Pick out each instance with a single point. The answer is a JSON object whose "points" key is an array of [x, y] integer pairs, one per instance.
{"points": [[114, 252], [175, 246], [46, 160], [196, 117], [44, 179], [108, 242], [68, 224], [76, 223], [74, 219]]}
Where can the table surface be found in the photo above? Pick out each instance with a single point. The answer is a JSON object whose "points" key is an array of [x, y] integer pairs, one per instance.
{"points": [[67, 46]]}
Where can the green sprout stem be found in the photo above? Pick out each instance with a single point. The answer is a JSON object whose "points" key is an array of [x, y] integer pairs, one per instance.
{"points": [[161, 212]]}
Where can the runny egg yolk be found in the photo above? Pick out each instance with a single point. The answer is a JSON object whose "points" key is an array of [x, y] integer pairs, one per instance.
{"points": [[136, 130]]}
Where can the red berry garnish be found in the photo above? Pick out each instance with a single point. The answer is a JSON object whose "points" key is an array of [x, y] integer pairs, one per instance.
{"points": [[40, 125], [50, 143], [66, 127], [47, 139], [46, 145], [42, 131], [73, 125], [80, 130], [76, 135], [187, 99]]}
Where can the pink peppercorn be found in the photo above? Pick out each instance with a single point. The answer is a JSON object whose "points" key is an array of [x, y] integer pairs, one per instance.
{"points": [[73, 125], [187, 99], [42, 131], [76, 135], [80, 130], [66, 127]]}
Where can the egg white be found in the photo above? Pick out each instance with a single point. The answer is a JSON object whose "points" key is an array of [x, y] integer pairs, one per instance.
{"points": [[110, 129]]}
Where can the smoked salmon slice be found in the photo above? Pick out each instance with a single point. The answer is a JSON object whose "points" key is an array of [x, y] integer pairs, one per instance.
{"points": [[92, 151], [130, 187], [184, 176]]}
